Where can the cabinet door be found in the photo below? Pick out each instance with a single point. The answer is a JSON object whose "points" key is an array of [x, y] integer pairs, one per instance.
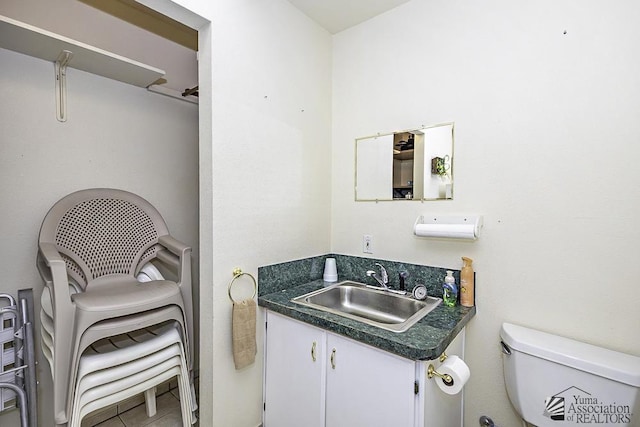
{"points": [[367, 387], [294, 381]]}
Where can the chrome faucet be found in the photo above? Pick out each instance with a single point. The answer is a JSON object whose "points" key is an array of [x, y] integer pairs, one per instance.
{"points": [[383, 278]]}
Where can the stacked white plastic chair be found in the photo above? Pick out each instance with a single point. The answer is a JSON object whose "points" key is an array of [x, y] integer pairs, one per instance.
{"points": [[119, 367], [114, 358], [93, 245]]}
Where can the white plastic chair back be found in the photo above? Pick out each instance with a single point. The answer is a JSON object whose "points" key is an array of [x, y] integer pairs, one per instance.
{"points": [[96, 241], [127, 227]]}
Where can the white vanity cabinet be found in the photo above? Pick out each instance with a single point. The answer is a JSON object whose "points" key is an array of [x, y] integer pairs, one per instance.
{"points": [[367, 386], [295, 372], [317, 378]]}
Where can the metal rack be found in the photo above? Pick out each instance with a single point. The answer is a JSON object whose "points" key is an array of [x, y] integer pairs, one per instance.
{"points": [[17, 356]]}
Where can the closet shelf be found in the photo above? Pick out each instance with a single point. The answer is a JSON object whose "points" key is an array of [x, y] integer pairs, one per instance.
{"points": [[33, 41]]}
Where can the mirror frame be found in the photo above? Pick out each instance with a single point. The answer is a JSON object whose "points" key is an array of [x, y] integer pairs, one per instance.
{"points": [[441, 165]]}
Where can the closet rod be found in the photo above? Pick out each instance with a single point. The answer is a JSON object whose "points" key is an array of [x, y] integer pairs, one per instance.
{"points": [[193, 91], [172, 93]]}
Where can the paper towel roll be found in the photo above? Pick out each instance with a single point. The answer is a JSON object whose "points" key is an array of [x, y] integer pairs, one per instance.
{"points": [[453, 231], [459, 372]]}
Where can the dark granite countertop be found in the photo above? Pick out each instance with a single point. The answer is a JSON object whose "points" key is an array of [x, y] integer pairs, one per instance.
{"points": [[426, 340]]}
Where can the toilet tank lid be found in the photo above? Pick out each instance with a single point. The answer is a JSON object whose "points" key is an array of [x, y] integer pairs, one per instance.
{"points": [[603, 362]]}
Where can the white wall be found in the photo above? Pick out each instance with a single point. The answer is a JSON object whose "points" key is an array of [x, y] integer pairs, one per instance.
{"points": [[117, 135], [546, 149], [271, 168]]}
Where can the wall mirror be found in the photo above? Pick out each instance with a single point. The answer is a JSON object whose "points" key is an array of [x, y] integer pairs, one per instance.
{"points": [[414, 164]]}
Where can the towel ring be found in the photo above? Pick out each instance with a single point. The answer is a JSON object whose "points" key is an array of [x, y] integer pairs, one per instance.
{"points": [[238, 273]]}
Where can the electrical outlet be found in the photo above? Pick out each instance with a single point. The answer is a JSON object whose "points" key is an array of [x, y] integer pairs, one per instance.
{"points": [[367, 244]]}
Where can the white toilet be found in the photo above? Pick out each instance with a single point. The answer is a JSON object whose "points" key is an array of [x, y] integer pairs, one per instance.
{"points": [[556, 381]]}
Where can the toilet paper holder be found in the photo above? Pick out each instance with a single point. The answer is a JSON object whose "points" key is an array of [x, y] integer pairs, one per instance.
{"points": [[431, 371]]}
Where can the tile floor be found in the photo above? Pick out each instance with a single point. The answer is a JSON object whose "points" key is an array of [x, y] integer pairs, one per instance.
{"points": [[132, 413]]}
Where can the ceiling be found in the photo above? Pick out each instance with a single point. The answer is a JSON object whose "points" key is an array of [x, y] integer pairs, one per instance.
{"points": [[338, 15]]}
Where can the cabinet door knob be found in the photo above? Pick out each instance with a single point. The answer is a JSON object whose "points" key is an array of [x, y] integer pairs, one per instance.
{"points": [[313, 351], [333, 359]]}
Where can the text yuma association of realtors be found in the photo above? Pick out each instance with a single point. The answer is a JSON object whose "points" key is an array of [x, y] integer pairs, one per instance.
{"points": [[590, 410]]}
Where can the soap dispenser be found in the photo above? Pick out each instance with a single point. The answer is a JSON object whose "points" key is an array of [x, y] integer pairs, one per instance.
{"points": [[467, 291], [450, 290]]}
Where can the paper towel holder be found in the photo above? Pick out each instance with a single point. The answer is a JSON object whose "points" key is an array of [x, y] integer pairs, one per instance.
{"points": [[474, 222]]}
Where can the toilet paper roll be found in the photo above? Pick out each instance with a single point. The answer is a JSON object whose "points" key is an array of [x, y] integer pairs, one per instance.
{"points": [[459, 372]]}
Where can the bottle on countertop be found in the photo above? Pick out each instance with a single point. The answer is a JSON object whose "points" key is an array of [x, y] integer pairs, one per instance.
{"points": [[402, 277], [467, 288], [450, 290]]}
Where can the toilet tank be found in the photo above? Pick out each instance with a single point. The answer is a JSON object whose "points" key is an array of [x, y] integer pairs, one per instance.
{"points": [[557, 381]]}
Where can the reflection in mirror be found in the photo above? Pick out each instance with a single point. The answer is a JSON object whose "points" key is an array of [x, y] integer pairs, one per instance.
{"points": [[408, 165]]}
